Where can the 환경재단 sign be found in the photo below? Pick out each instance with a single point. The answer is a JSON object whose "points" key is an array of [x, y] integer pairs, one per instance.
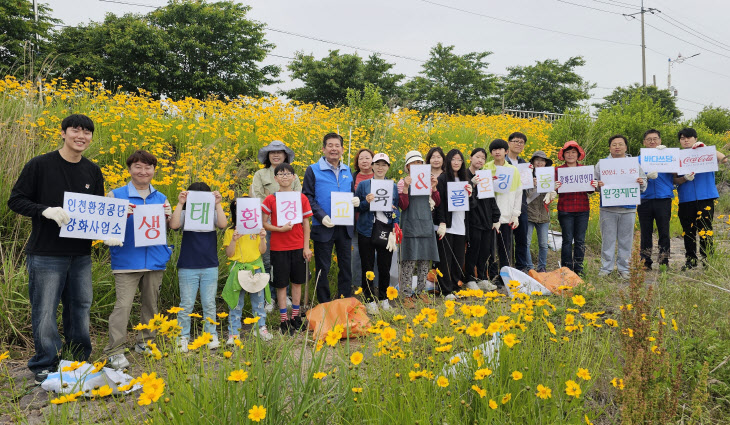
{"points": [[94, 217], [613, 195]]}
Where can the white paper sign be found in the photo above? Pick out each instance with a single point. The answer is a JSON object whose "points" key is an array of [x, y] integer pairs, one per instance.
{"points": [[420, 180], [485, 188], [700, 160], [288, 208], [149, 225], [619, 170], [525, 175], [576, 179], [199, 210], [620, 194], [504, 179], [545, 179], [457, 196], [661, 161], [342, 212], [383, 192], [248, 216], [94, 217]]}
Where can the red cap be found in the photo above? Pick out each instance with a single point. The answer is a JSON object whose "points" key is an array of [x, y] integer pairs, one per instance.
{"points": [[571, 144]]}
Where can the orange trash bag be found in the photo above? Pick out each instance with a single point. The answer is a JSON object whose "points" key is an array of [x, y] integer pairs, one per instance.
{"points": [[557, 278], [347, 312]]}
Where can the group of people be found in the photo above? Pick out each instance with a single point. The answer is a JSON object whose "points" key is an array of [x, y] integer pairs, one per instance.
{"points": [[417, 232]]}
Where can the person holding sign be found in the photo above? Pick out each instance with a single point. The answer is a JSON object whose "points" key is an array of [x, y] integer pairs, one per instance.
{"points": [[483, 215], [573, 211], [375, 233], [289, 248], [617, 222], [453, 230], [418, 247], [328, 175], [510, 204], [517, 142], [197, 266], [538, 214], [135, 267], [697, 194], [59, 269], [363, 171]]}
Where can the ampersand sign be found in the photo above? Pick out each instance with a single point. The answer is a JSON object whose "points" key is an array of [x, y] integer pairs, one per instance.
{"points": [[420, 184]]}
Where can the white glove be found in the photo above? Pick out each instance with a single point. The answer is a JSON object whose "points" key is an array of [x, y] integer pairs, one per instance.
{"points": [[391, 242], [56, 214], [431, 203], [594, 183], [652, 175], [441, 230], [514, 222], [660, 147], [355, 202], [327, 221], [495, 226], [475, 179], [130, 209], [550, 196], [698, 145], [167, 208], [113, 242], [689, 177]]}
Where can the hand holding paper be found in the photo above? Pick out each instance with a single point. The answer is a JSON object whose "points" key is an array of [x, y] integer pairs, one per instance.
{"points": [[113, 242], [57, 214], [355, 202], [652, 175], [689, 177], [327, 221]]}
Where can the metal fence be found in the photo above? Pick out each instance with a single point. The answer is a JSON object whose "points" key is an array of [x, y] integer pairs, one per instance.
{"points": [[547, 116]]}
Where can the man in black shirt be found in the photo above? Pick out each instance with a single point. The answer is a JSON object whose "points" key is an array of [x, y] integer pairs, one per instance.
{"points": [[59, 269]]}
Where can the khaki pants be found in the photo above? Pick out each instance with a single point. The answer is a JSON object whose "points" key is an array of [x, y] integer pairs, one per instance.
{"points": [[126, 287]]}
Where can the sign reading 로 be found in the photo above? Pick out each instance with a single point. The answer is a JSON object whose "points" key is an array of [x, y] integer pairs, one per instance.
{"points": [[576, 179], [619, 170], [94, 217], [620, 194], [485, 188], [660, 160], [457, 196], [525, 170], [342, 212], [248, 216], [700, 160], [150, 227], [420, 180], [288, 208], [545, 179], [382, 191], [504, 179], [199, 210]]}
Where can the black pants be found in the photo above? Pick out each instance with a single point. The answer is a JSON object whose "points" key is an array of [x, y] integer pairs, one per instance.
{"points": [[521, 241], [481, 244], [503, 243], [367, 260], [696, 219], [452, 250], [651, 210], [323, 260]]}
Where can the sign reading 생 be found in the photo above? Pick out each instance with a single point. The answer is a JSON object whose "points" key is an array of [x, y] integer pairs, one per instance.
{"points": [[150, 225], [94, 217]]}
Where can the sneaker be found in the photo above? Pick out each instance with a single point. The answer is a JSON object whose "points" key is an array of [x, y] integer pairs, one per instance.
{"points": [[231, 339], [409, 303], [288, 302], [424, 298], [451, 297], [118, 361], [268, 307], [472, 285], [486, 285], [286, 328], [372, 308], [603, 273], [142, 348], [264, 334], [385, 305], [182, 345], [297, 323], [212, 345], [42, 375]]}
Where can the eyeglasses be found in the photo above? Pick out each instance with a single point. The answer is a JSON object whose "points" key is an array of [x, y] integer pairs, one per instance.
{"points": [[652, 139], [517, 142], [284, 175]]}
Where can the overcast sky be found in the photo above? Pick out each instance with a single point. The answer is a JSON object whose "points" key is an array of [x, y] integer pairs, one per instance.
{"points": [[518, 32]]}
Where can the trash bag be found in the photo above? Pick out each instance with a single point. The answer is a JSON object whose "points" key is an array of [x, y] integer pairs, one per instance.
{"points": [[527, 283], [557, 278], [490, 351], [83, 379], [348, 312]]}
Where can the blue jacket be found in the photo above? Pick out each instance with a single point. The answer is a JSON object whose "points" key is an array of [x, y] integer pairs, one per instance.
{"points": [[661, 187], [319, 182], [701, 188], [367, 217], [128, 257]]}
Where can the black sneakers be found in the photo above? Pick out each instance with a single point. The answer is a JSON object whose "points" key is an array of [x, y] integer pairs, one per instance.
{"points": [[41, 376], [286, 328], [296, 323]]}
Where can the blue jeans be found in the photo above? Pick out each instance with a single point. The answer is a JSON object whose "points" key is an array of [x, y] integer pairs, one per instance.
{"points": [[64, 279], [190, 281], [542, 243], [574, 226], [257, 305]]}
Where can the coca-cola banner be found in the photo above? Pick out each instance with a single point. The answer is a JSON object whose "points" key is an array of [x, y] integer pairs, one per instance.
{"points": [[700, 160]]}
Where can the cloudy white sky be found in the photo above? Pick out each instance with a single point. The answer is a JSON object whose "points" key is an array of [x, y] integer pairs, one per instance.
{"points": [[518, 32]]}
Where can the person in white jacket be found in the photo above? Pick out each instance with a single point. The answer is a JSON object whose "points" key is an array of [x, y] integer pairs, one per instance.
{"points": [[508, 194]]}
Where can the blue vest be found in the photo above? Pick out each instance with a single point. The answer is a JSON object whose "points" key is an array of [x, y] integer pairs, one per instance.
{"points": [[661, 187], [326, 183], [701, 188], [128, 257]]}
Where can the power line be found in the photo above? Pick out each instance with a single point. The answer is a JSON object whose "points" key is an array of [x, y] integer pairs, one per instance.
{"points": [[694, 28], [130, 3], [688, 42], [692, 33], [589, 7]]}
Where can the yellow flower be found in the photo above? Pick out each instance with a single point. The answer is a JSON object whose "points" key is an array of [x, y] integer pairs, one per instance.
{"points": [[572, 388], [251, 320], [655, 349], [227, 354], [583, 374], [257, 413], [196, 315], [319, 375], [398, 317], [588, 421], [544, 392], [438, 272], [444, 348], [475, 329], [211, 321], [356, 358], [493, 404], [359, 291], [356, 389], [222, 314], [102, 392], [4, 356], [482, 392], [442, 382], [175, 310], [674, 324], [392, 293], [578, 300], [480, 374], [507, 397], [510, 340], [73, 366], [388, 334], [369, 275], [238, 375], [612, 323], [516, 375], [455, 360], [98, 366]]}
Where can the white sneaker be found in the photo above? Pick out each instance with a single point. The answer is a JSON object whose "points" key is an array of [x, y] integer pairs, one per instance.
{"points": [[182, 345], [268, 307], [451, 297], [264, 334], [472, 285], [142, 348], [212, 345], [288, 302], [385, 305], [231, 339], [372, 308], [486, 285], [118, 361]]}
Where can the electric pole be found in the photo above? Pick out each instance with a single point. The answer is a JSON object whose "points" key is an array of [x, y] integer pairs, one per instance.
{"points": [[679, 59], [643, 39]]}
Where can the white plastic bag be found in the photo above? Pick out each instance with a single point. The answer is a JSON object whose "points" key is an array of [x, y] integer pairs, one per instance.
{"points": [[83, 379]]}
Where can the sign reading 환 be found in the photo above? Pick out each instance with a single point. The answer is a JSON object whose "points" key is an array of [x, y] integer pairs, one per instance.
{"points": [[150, 226], [700, 160], [288, 208], [545, 179], [660, 160], [248, 216], [342, 212], [620, 194], [199, 210], [485, 188], [526, 175], [458, 197], [382, 190], [504, 179], [94, 217], [420, 180], [619, 170], [576, 179]]}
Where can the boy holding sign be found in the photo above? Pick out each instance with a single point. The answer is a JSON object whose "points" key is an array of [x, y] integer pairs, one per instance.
{"points": [[58, 267], [289, 247]]}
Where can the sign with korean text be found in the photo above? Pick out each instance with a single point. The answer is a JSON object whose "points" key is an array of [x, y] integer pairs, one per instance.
{"points": [[576, 179], [94, 217], [619, 170], [199, 210], [382, 191], [545, 179], [149, 225], [420, 179], [620, 194], [342, 212], [700, 160], [288, 208], [526, 175], [504, 179], [485, 188], [457, 196], [660, 160], [248, 216]]}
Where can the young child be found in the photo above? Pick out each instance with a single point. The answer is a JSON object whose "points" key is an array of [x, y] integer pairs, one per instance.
{"points": [[246, 253], [289, 249], [538, 215], [197, 267]]}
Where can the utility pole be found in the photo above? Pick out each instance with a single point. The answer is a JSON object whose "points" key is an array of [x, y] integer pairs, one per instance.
{"points": [[643, 39], [671, 62]]}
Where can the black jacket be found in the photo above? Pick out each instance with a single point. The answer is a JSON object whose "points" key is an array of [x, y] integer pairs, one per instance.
{"points": [[482, 212], [442, 213]]}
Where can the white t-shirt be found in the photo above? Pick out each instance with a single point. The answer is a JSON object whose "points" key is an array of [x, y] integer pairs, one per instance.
{"points": [[457, 222]]}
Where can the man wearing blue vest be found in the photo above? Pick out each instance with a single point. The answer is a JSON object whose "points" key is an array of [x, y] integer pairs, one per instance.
{"points": [[134, 267], [322, 178], [656, 205]]}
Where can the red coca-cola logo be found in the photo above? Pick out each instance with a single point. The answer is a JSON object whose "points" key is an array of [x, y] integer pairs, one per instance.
{"points": [[698, 159]]}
